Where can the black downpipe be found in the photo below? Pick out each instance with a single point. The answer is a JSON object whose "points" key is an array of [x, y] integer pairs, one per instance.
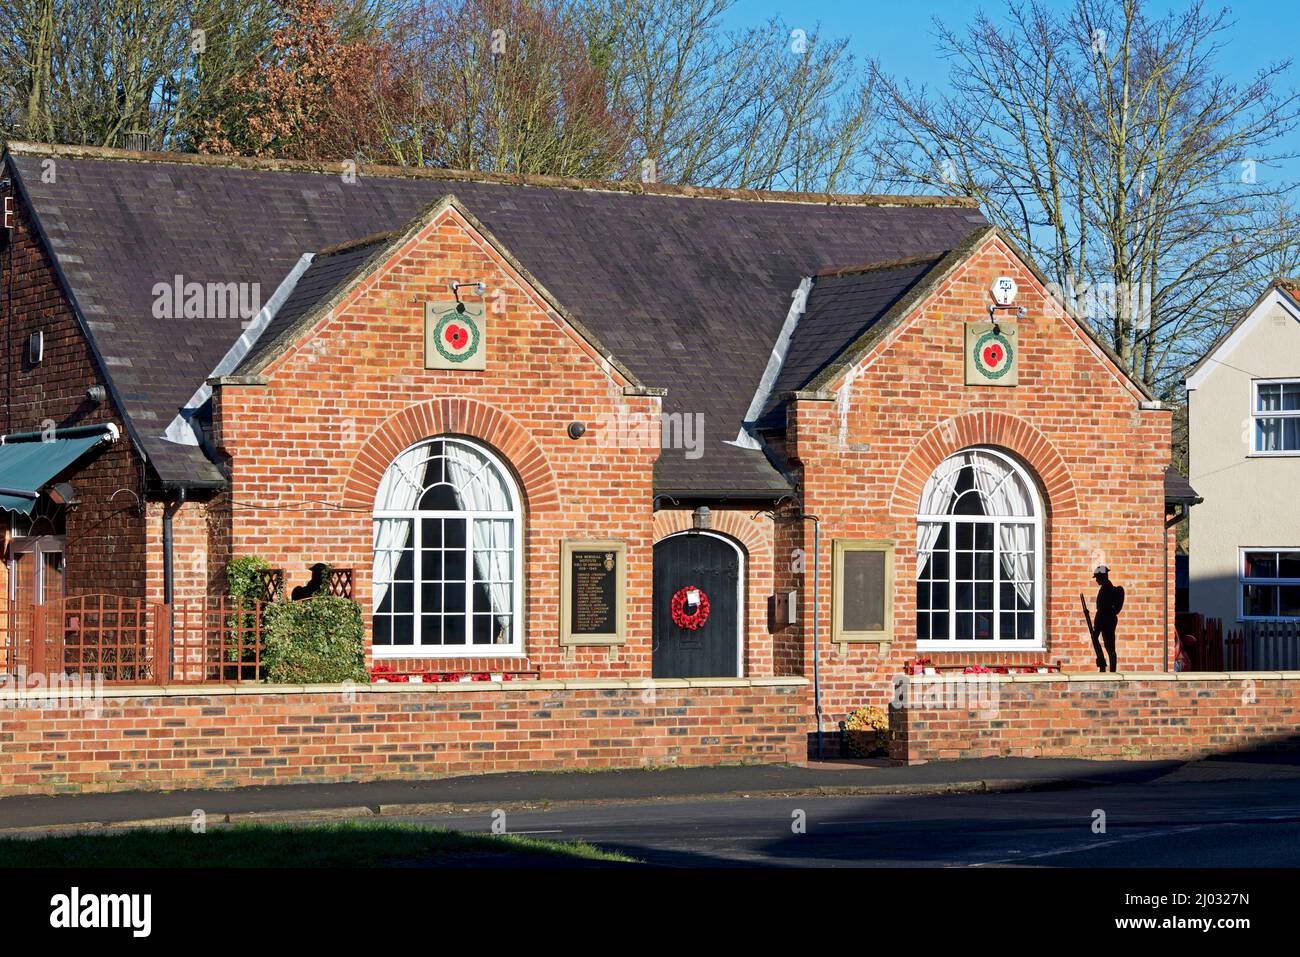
{"points": [[169, 576]]}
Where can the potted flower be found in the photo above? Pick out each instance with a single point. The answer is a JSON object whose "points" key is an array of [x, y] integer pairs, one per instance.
{"points": [[865, 733]]}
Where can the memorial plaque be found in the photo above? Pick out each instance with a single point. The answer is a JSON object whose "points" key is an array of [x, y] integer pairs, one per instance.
{"points": [[594, 575], [593, 578]]}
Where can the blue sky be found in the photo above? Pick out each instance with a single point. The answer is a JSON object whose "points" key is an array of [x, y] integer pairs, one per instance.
{"points": [[900, 33]]}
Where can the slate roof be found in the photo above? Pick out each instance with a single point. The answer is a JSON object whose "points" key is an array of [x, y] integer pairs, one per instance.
{"points": [[330, 269], [687, 288], [842, 305]]}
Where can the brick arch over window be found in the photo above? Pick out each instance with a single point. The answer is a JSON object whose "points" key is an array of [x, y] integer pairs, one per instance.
{"points": [[987, 428], [734, 525], [467, 417]]}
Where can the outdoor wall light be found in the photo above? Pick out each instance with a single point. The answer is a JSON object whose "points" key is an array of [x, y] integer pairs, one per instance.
{"points": [[577, 430], [63, 494], [480, 288]]}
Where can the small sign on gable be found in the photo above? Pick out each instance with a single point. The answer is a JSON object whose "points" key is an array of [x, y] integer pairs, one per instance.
{"points": [[455, 339], [992, 353]]}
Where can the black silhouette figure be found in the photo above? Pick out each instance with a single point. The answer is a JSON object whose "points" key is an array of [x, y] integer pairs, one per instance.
{"points": [[314, 586], [1110, 602]]}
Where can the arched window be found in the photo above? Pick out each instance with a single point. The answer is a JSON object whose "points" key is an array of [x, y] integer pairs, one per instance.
{"points": [[448, 553], [979, 563]]}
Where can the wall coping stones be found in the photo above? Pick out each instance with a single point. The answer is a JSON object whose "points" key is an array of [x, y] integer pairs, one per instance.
{"points": [[1130, 676], [90, 691]]}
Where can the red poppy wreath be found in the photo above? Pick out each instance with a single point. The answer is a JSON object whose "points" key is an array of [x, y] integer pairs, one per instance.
{"points": [[691, 621]]}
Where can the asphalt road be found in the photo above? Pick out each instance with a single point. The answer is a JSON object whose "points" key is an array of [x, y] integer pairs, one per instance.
{"points": [[1229, 823]]}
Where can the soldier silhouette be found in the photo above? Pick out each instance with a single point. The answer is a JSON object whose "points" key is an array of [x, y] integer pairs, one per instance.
{"points": [[314, 584], [1110, 602]]}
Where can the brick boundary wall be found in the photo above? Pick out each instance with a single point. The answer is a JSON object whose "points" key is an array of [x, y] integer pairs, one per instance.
{"points": [[1139, 716], [125, 739]]}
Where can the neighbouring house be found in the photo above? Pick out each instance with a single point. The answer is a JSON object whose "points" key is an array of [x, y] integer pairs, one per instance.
{"points": [[570, 431], [1244, 458]]}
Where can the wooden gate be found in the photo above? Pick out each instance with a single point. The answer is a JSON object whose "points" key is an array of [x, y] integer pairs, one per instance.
{"points": [[713, 565]]}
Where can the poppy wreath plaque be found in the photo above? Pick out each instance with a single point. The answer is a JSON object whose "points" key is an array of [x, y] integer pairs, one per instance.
{"points": [[455, 337], [690, 621]]}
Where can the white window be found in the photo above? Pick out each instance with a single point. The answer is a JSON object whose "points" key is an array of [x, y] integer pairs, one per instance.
{"points": [[448, 554], [979, 567], [1270, 583], [1276, 412]]}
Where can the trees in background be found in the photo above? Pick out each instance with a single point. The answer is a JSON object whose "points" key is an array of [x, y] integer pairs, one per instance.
{"points": [[659, 89], [507, 86], [151, 73], [760, 108], [1106, 141], [1111, 146], [305, 95]]}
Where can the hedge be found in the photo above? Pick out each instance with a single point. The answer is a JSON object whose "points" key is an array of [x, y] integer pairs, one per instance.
{"points": [[320, 639]]}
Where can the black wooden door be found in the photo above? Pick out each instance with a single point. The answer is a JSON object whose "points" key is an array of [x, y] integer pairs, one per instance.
{"points": [[713, 566]]}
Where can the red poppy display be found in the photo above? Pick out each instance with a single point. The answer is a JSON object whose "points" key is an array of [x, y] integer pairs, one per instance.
{"points": [[694, 620]]}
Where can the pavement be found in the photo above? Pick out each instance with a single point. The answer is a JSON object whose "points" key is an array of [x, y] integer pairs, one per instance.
{"points": [[551, 789]]}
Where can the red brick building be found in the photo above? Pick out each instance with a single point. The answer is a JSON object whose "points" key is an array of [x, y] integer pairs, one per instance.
{"points": [[545, 422]]}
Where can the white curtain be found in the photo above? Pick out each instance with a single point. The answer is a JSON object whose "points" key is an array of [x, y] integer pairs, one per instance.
{"points": [[480, 488], [935, 499], [1005, 494], [397, 492]]}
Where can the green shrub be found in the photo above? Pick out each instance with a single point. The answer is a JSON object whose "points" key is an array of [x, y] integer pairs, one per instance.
{"points": [[321, 639], [244, 582], [244, 579]]}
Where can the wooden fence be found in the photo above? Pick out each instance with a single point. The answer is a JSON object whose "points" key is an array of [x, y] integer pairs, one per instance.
{"points": [[130, 641], [1255, 646], [216, 640], [1205, 646], [1272, 645]]}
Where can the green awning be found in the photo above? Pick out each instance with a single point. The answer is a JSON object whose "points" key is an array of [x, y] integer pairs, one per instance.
{"points": [[29, 460]]}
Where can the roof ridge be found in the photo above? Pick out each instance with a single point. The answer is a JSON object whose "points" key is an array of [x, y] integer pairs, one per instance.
{"points": [[839, 271], [24, 148], [349, 245]]}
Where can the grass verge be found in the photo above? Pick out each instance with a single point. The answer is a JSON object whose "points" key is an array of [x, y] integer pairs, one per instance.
{"points": [[345, 844]]}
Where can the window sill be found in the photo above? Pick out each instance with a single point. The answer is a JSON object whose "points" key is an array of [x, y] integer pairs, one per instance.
{"points": [[385, 652], [983, 646]]}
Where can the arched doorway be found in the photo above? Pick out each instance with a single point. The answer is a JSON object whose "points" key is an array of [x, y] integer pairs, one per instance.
{"points": [[715, 565]]}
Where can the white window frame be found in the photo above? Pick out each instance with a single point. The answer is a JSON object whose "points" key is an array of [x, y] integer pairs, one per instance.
{"points": [[1040, 598], [1243, 581], [468, 650], [1256, 415]]}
